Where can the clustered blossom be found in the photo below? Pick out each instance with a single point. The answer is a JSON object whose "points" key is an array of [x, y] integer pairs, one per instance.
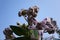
{"points": [[8, 34], [48, 24], [31, 12]]}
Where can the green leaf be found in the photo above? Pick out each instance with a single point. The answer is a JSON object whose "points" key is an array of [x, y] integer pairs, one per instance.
{"points": [[18, 30], [24, 26], [36, 34]]}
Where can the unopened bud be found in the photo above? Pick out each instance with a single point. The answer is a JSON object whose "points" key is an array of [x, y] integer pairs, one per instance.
{"points": [[19, 14]]}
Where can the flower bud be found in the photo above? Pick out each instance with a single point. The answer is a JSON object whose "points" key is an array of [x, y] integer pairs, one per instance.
{"points": [[39, 26], [19, 14], [22, 12]]}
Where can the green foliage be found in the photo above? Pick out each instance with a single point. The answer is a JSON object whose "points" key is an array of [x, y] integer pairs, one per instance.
{"points": [[36, 34], [23, 30], [19, 30]]}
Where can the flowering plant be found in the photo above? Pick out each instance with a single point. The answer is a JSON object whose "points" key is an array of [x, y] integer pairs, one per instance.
{"points": [[33, 30]]}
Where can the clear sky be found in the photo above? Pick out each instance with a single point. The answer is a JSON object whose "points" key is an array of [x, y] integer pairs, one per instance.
{"points": [[9, 11]]}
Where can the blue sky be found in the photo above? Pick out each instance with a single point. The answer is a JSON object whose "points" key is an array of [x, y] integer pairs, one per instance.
{"points": [[9, 11]]}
